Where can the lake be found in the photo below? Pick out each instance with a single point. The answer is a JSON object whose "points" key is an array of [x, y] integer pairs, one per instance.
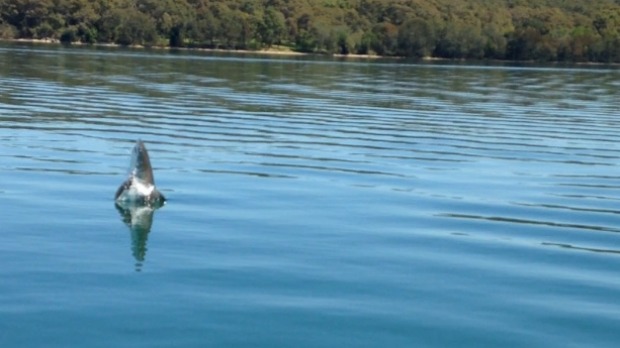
{"points": [[312, 202]]}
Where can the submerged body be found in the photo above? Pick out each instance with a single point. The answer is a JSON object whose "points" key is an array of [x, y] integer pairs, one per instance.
{"points": [[139, 188]]}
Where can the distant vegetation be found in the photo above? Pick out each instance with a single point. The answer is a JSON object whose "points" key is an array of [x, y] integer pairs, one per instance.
{"points": [[542, 30]]}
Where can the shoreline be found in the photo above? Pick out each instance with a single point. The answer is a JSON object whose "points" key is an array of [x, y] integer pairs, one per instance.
{"points": [[273, 51], [287, 52]]}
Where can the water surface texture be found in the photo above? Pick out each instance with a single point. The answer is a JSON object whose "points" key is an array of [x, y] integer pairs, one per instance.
{"points": [[311, 202]]}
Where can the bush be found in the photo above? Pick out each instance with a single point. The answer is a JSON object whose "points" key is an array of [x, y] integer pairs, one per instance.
{"points": [[7, 31], [67, 36]]}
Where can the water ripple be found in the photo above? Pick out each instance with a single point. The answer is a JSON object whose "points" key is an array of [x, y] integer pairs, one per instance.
{"points": [[318, 179], [581, 248], [511, 220]]}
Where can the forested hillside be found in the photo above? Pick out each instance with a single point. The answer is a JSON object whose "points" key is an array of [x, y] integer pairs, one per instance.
{"points": [[544, 30]]}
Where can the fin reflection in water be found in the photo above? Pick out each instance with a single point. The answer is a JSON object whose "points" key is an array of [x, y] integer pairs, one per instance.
{"points": [[139, 219], [137, 199]]}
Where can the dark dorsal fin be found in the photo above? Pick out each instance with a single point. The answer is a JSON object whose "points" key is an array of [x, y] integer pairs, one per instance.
{"points": [[141, 164]]}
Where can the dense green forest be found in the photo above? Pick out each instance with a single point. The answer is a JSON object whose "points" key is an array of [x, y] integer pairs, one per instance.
{"points": [[543, 30]]}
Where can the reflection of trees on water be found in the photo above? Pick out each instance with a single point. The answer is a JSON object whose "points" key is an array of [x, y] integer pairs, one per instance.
{"points": [[139, 219]]}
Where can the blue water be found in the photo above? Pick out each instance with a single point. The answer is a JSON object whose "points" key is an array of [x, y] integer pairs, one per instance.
{"points": [[311, 202]]}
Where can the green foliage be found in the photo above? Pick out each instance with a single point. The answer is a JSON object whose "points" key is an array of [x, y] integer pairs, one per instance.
{"points": [[544, 30], [272, 27], [135, 28], [68, 36], [385, 38], [417, 38], [7, 31]]}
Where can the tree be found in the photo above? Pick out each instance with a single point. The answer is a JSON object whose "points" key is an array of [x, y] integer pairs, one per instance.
{"points": [[343, 44], [417, 38], [204, 30], [385, 38], [305, 40], [576, 30], [26, 15], [135, 28], [230, 30], [172, 18], [582, 44], [272, 27], [495, 42]]}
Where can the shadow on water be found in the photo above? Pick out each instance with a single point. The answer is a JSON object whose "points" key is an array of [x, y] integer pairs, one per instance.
{"points": [[139, 219]]}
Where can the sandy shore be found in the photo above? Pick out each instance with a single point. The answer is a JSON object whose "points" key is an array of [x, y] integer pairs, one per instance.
{"points": [[276, 50]]}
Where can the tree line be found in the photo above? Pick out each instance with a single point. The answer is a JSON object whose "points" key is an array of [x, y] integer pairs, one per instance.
{"points": [[541, 30]]}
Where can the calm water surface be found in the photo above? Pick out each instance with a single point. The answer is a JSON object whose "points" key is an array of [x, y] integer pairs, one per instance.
{"points": [[312, 203]]}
